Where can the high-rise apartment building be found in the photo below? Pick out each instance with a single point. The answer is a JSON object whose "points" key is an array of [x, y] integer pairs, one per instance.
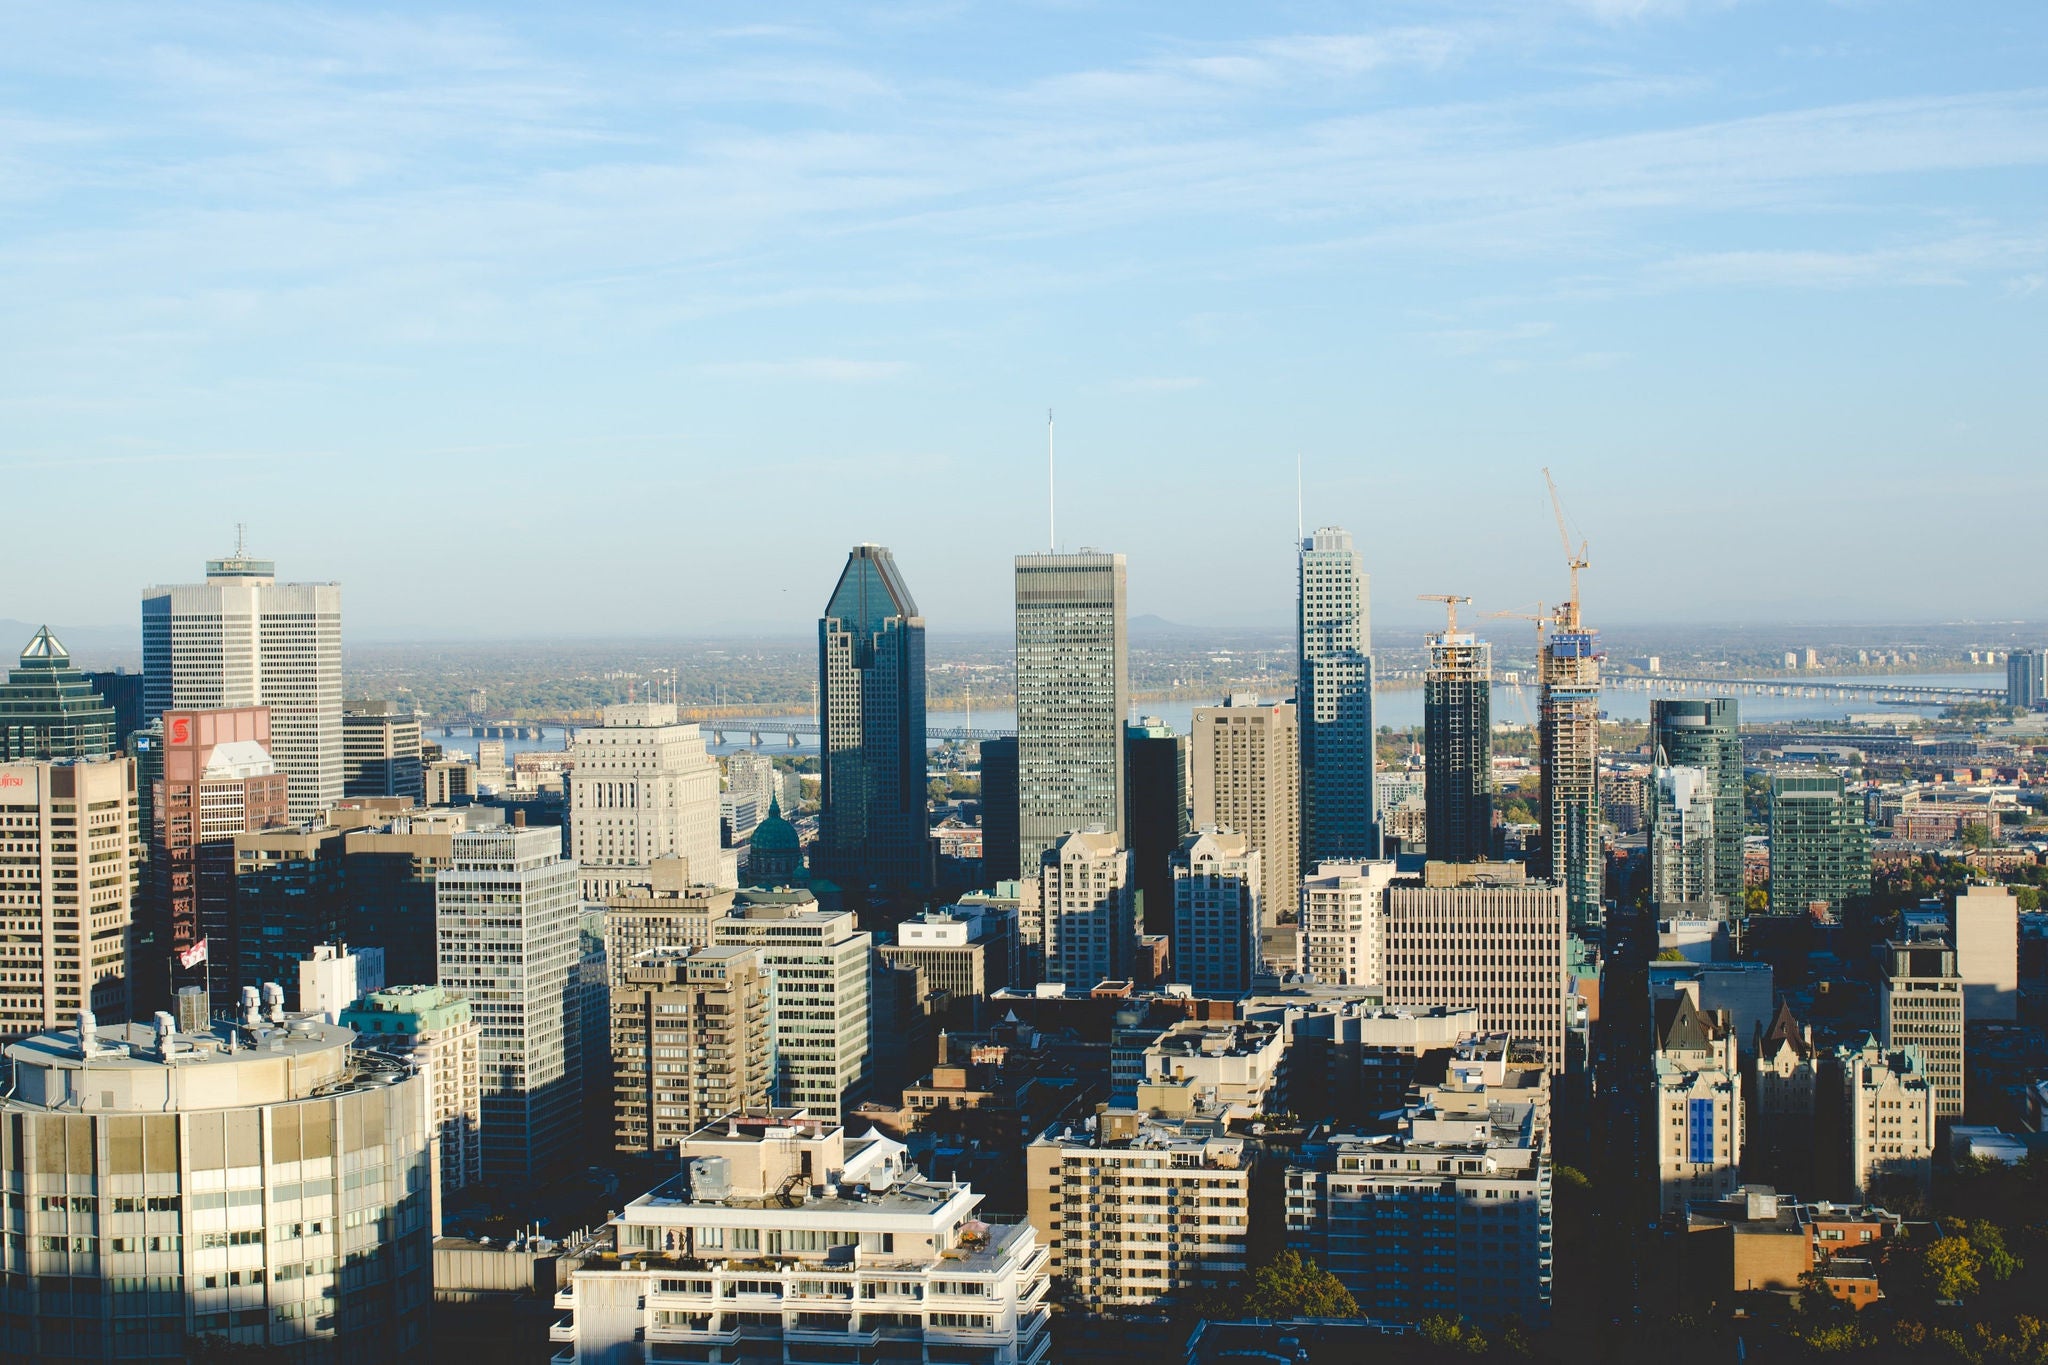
{"points": [[689, 1043], [667, 912], [644, 787], [1888, 1118], [2026, 677], [1697, 1117], [1333, 634], [1155, 814], [507, 910], [1218, 885], [70, 857], [1705, 734], [49, 710], [1820, 843], [1920, 1005], [1683, 846], [436, 1031], [1457, 744], [240, 639], [817, 963], [1568, 735], [1482, 936], [872, 828], [1086, 913], [1245, 776], [1343, 922], [999, 830], [380, 751], [1988, 953], [1073, 694]]}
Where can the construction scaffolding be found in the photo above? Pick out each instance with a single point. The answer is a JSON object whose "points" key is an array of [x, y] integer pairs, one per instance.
{"points": [[1568, 733]]}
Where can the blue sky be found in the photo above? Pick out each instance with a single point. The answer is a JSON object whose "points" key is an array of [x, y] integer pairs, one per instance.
{"points": [[610, 318]]}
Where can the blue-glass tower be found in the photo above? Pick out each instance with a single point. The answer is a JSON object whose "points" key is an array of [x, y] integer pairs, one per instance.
{"points": [[872, 830]]}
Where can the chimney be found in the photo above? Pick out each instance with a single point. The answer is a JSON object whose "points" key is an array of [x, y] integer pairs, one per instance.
{"points": [[519, 819]]}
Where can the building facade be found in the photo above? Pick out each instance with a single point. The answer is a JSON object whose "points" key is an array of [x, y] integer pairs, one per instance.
{"points": [[1218, 894], [1073, 697], [1920, 1005], [50, 711], [1568, 738], [2026, 677], [1155, 814], [1457, 743], [1482, 936], [1697, 1119], [1086, 916], [1820, 843], [1705, 733], [1245, 776], [287, 901], [643, 787], [689, 1043], [1333, 636], [240, 639], [817, 964], [434, 1030], [1000, 848], [380, 751], [1343, 923], [1684, 845], [1988, 953], [1888, 1117]]}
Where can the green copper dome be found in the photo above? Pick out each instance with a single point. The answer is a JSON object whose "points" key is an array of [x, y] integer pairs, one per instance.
{"points": [[774, 834]]}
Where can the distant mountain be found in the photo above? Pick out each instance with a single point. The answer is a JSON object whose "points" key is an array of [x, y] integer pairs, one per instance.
{"points": [[89, 646]]}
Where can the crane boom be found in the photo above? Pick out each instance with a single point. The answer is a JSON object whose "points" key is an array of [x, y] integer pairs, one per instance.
{"points": [[1450, 601], [1567, 615]]}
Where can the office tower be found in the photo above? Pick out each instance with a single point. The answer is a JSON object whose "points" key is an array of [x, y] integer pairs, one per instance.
{"points": [[1218, 884], [1343, 922], [1568, 732], [1021, 905], [67, 903], [643, 788], [288, 901], [320, 1154], [1245, 775], [508, 914], [1888, 1119], [437, 1032], [1457, 743], [217, 782], [1920, 1005], [387, 888], [380, 751], [900, 1021], [1089, 920], [1683, 844], [964, 951], [450, 782], [1155, 815], [1073, 695], [49, 711], [668, 912], [805, 1244], [1820, 844], [1087, 1190], [241, 639], [121, 690], [335, 976], [1333, 632], [2026, 677], [1988, 953], [817, 966], [1697, 1104], [872, 828], [689, 1043], [1706, 734], [999, 830], [1482, 936], [490, 763]]}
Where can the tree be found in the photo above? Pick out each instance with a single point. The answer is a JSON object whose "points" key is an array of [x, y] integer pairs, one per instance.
{"points": [[1756, 900], [1670, 955], [1951, 1265], [1452, 1335], [1290, 1286], [1976, 835]]}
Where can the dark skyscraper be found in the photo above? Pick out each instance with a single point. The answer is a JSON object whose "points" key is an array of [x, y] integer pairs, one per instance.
{"points": [[49, 711], [999, 856], [1457, 742], [1334, 698], [1155, 814], [121, 690], [1704, 734], [872, 828]]}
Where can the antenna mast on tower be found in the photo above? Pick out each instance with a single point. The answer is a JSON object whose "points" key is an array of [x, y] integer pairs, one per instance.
{"points": [[1052, 532]]}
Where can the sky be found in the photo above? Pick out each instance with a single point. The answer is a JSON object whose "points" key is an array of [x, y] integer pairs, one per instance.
{"points": [[629, 319]]}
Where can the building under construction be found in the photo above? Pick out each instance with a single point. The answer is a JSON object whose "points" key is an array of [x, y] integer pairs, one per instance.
{"points": [[1457, 735], [1569, 738]]}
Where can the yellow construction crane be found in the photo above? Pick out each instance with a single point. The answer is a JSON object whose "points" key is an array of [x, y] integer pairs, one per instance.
{"points": [[1539, 617], [1450, 601], [1567, 615]]}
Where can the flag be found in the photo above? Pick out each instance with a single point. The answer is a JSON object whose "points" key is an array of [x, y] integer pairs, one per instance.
{"points": [[193, 956]]}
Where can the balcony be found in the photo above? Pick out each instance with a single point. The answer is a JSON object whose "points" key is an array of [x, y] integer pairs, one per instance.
{"points": [[567, 1357], [565, 1330], [565, 1299]]}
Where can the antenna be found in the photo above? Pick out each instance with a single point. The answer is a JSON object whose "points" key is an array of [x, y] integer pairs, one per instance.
{"points": [[1052, 535], [241, 538]]}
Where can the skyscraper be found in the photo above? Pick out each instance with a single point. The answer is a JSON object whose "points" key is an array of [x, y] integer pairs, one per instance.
{"points": [[644, 787], [1703, 733], [1155, 815], [1334, 694], [507, 912], [1245, 776], [48, 709], [1217, 885], [1820, 844], [1569, 740], [1480, 936], [1682, 843], [2025, 685], [241, 638], [872, 828], [1920, 997], [1457, 741], [1086, 913], [1072, 695], [999, 849], [380, 746], [817, 965]]}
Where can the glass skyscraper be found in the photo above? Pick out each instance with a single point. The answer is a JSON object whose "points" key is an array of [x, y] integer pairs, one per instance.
{"points": [[872, 828], [1702, 733], [49, 711], [1334, 696], [1073, 691], [1457, 742]]}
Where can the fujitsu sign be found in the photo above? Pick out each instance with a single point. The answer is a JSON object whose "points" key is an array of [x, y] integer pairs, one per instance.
{"points": [[12, 780]]}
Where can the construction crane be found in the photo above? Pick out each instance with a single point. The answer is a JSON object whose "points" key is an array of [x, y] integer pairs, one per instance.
{"points": [[1450, 601], [1539, 616], [1567, 615]]}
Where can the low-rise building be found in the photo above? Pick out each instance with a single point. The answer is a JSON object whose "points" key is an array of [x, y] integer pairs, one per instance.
{"points": [[1215, 1068]]}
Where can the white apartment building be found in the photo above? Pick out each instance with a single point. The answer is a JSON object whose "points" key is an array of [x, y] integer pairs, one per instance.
{"points": [[1888, 1116], [1480, 935], [241, 638], [1343, 922], [1697, 1103], [818, 967], [644, 787], [784, 1240], [1087, 911], [1988, 953], [1140, 1210], [507, 918], [1218, 893], [70, 856]]}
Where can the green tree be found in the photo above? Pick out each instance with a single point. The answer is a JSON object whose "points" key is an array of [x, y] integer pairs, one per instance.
{"points": [[1756, 900], [1452, 1335], [1290, 1286], [1976, 835], [1951, 1265], [1670, 955]]}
